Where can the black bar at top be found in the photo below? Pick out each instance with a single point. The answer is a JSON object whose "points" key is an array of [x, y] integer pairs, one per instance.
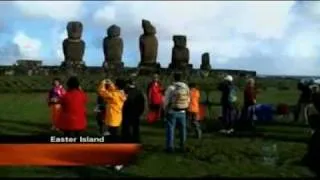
{"points": [[45, 139]]}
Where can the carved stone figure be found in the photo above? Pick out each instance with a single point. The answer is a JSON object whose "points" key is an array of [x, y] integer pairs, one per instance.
{"points": [[180, 53], [113, 48], [205, 62], [148, 44], [73, 46]]}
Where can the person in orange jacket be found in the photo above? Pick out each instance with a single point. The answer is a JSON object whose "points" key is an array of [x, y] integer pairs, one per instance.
{"points": [[194, 109], [114, 96]]}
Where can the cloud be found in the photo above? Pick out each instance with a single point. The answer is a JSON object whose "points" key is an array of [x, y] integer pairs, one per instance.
{"points": [[228, 30], [9, 53], [57, 10], [29, 47], [272, 37]]}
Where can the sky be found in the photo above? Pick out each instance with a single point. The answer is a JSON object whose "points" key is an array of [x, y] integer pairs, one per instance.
{"points": [[270, 37]]}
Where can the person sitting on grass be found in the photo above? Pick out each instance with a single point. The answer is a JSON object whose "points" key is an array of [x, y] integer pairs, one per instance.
{"points": [[73, 118], [56, 92], [114, 96], [194, 109]]}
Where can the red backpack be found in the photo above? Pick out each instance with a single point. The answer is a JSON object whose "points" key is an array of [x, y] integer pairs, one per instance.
{"points": [[155, 94]]}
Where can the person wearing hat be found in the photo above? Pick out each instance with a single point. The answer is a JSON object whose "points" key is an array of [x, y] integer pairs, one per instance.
{"points": [[132, 111], [228, 99]]}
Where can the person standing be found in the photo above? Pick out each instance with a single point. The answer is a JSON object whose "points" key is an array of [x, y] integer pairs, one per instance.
{"points": [[114, 97], [194, 109], [55, 94], [304, 100], [176, 103], [249, 98], [100, 111], [155, 99], [132, 110], [228, 99], [73, 118]]}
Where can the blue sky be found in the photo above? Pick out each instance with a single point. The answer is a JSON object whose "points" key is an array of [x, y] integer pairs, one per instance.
{"points": [[271, 37]]}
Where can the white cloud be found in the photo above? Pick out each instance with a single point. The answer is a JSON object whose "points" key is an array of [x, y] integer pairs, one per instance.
{"points": [[29, 47], [57, 10], [269, 36], [311, 9], [105, 14], [220, 28], [59, 51]]}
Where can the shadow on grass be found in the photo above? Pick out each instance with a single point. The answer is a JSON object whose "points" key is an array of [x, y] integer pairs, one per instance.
{"points": [[11, 126], [278, 123]]}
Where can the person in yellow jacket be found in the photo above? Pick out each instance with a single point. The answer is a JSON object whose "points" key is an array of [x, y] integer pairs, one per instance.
{"points": [[114, 96]]}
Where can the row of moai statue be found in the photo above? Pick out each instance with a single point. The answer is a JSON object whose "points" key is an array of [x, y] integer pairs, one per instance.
{"points": [[74, 48]]}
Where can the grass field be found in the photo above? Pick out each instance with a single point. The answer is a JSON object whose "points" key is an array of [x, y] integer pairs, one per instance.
{"points": [[214, 155]]}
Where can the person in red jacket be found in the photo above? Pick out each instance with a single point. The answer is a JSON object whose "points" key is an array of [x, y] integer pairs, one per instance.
{"points": [[249, 98], [155, 99], [73, 118]]}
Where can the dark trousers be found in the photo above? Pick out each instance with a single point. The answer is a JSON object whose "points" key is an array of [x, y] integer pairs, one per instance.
{"points": [[100, 121], [71, 133], [114, 134], [174, 118], [300, 107], [246, 119], [131, 129], [229, 116], [312, 157], [195, 123]]}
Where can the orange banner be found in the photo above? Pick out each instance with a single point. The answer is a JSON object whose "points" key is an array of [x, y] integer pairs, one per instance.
{"points": [[67, 154]]}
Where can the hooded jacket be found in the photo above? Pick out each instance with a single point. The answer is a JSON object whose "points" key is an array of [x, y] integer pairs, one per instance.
{"points": [[115, 99]]}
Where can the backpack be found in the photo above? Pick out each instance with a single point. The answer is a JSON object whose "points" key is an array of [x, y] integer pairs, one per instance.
{"points": [[232, 95], [180, 97]]}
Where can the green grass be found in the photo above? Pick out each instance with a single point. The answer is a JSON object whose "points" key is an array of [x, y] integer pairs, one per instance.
{"points": [[214, 155]]}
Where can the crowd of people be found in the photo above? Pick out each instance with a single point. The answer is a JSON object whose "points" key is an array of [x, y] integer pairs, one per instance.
{"points": [[121, 104]]}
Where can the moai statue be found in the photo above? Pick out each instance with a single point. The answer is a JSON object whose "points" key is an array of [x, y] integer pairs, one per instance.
{"points": [[148, 44], [180, 54], [205, 62], [73, 46], [113, 49]]}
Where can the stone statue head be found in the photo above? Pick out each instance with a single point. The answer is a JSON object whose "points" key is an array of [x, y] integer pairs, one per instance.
{"points": [[74, 29], [148, 28], [205, 58], [114, 31], [180, 41]]}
